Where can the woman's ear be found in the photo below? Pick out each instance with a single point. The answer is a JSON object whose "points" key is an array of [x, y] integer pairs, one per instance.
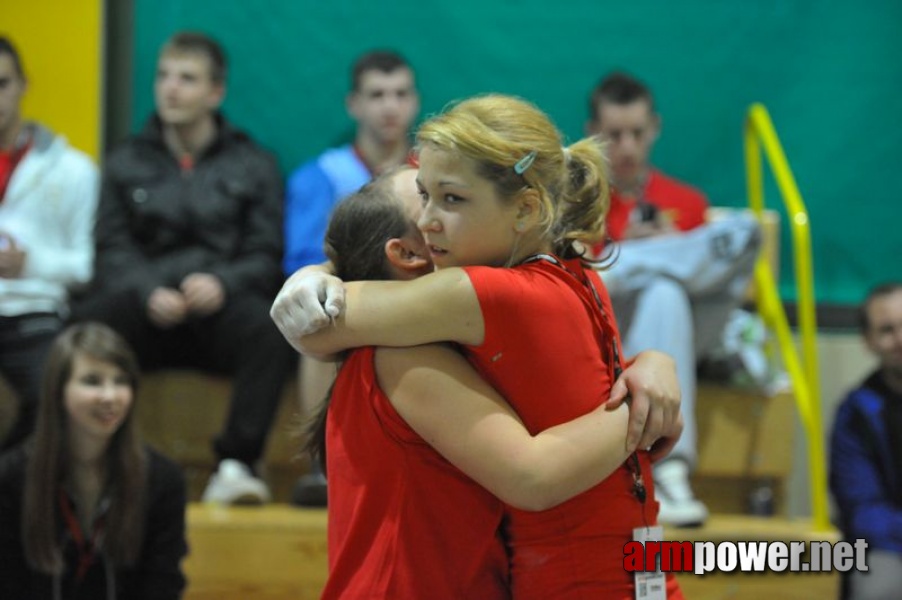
{"points": [[529, 210], [406, 259]]}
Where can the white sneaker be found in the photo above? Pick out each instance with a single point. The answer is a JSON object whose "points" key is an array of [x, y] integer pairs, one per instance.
{"points": [[233, 483], [678, 506]]}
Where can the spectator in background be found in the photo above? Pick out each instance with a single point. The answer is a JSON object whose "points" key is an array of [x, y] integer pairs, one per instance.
{"points": [[866, 452], [189, 239], [677, 279], [383, 101], [48, 195], [86, 510]]}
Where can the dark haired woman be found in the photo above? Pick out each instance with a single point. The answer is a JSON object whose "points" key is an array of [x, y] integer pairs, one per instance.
{"points": [[86, 510]]}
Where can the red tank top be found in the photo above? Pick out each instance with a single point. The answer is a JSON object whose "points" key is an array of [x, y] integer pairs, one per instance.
{"points": [[547, 350], [403, 522]]}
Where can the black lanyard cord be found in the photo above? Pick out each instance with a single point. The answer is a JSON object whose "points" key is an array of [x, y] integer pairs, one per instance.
{"points": [[632, 462]]}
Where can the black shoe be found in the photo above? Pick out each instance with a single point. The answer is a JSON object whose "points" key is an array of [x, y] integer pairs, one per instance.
{"points": [[310, 491]]}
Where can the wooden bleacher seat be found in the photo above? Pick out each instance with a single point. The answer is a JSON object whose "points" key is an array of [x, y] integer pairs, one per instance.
{"points": [[181, 411], [754, 586], [278, 552], [745, 442]]}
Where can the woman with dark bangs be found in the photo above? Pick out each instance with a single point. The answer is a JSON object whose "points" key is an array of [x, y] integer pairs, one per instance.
{"points": [[86, 509]]}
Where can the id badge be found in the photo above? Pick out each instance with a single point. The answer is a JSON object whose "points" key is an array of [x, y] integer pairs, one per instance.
{"points": [[650, 585]]}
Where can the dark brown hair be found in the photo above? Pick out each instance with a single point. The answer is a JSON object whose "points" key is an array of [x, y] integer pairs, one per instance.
{"points": [[359, 227], [192, 42], [49, 459], [384, 61], [618, 88], [7, 47], [880, 291], [355, 243]]}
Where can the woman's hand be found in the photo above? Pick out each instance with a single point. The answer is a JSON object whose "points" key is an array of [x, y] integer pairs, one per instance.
{"points": [[308, 302], [650, 383]]}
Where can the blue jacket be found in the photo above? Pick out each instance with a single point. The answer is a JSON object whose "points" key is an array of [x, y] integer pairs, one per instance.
{"points": [[864, 477], [313, 190]]}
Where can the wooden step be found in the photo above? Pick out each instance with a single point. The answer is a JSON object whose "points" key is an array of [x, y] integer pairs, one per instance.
{"points": [[273, 552], [279, 552], [745, 442], [744, 439], [182, 411]]}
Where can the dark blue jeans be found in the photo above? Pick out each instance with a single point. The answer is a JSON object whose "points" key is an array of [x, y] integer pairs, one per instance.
{"points": [[24, 342]]}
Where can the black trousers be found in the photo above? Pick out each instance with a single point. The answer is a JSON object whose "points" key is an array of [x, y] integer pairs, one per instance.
{"points": [[239, 341], [24, 342]]}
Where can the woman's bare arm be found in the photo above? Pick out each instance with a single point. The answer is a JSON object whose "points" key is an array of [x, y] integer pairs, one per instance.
{"points": [[441, 306], [444, 400]]}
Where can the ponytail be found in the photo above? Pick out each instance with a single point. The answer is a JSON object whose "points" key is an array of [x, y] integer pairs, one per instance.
{"points": [[585, 198]]}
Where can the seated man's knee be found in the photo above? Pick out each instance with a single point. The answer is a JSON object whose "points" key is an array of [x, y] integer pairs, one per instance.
{"points": [[667, 294]]}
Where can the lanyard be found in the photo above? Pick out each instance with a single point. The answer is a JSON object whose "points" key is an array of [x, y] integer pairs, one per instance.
{"points": [[87, 548], [632, 463]]}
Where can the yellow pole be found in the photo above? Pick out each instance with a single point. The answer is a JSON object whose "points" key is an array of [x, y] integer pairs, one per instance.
{"points": [[760, 134]]}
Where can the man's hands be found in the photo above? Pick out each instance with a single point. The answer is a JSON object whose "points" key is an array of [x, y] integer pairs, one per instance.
{"points": [[166, 307], [203, 293], [654, 391], [638, 231], [12, 257], [308, 302], [199, 294]]}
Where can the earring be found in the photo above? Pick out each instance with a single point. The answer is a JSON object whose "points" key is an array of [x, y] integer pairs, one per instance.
{"points": [[519, 226]]}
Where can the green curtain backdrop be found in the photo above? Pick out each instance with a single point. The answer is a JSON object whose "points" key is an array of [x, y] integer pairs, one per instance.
{"points": [[829, 72]]}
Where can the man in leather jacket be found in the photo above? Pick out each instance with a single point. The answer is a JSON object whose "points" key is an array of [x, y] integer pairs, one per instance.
{"points": [[188, 251]]}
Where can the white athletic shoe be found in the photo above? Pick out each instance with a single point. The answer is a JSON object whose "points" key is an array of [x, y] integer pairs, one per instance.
{"points": [[233, 483], [678, 506]]}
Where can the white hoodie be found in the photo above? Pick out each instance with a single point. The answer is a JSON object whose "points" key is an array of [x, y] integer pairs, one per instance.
{"points": [[49, 210]]}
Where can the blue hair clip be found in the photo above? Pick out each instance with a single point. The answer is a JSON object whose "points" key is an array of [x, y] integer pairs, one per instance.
{"points": [[524, 163]]}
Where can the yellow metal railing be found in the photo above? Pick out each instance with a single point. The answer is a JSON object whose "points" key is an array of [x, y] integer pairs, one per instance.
{"points": [[760, 135]]}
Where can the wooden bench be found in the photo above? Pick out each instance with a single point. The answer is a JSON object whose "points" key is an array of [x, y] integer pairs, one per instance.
{"points": [[745, 444], [744, 440], [182, 411], [275, 552], [279, 553]]}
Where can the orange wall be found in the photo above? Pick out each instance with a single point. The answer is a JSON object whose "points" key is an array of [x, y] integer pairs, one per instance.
{"points": [[61, 45]]}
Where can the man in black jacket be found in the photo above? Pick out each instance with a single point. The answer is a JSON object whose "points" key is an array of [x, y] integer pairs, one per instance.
{"points": [[189, 243]]}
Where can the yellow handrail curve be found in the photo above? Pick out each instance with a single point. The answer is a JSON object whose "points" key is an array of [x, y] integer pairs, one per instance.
{"points": [[759, 134]]}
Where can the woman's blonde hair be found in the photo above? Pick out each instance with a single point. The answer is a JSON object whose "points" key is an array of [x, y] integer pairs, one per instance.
{"points": [[500, 133]]}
